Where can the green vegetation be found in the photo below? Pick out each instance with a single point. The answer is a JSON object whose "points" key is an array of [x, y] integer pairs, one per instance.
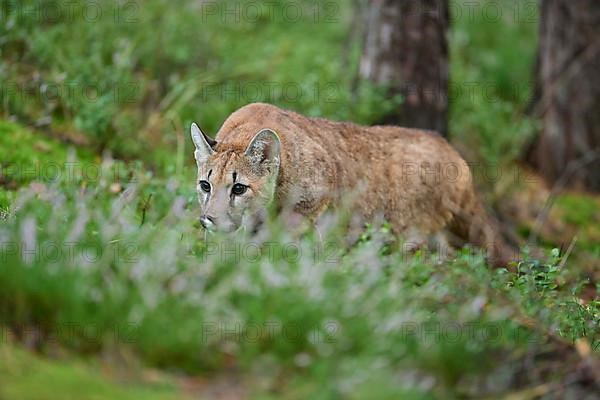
{"points": [[136, 88], [29, 377], [119, 258], [492, 82], [337, 321]]}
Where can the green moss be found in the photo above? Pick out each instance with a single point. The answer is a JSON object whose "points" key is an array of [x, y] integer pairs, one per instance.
{"points": [[23, 147], [25, 376], [31, 156], [583, 212], [581, 209]]}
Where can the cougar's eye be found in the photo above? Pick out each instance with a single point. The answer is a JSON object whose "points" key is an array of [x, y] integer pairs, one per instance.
{"points": [[205, 186], [238, 189]]}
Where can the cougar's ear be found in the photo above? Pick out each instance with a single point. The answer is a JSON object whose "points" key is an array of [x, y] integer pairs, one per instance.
{"points": [[204, 144], [263, 151]]}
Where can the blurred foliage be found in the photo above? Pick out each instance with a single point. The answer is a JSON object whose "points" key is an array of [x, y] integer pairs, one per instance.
{"points": [[162, 295], [131, 259], [130, 84], [139, 73], [29, 377], [492, 56]]}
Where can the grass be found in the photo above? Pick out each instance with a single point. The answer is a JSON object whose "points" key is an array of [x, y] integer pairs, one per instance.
{"points": [[119, 252], [27, 376]]}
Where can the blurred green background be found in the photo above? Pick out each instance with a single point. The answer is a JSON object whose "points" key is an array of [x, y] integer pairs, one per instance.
{"points": [[110, 90]]}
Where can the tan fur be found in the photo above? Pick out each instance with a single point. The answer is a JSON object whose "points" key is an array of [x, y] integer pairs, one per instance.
{"points": [[413, 178]]}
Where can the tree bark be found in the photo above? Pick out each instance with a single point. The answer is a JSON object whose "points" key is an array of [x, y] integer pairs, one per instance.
{"points": [[568, 84], [406, 49]]}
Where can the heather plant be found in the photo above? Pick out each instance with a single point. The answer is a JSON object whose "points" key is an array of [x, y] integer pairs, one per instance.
{"points": [[295, 305]]}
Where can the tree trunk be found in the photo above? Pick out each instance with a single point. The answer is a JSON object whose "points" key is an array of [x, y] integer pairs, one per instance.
{"points": [[406, 49], [568, 85]]}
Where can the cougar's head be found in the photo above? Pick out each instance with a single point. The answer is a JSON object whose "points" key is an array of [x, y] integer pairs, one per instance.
{"points": [[236, 181]]}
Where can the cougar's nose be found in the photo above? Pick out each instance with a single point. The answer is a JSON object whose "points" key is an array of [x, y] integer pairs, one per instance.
{"points": [[207, 222]]}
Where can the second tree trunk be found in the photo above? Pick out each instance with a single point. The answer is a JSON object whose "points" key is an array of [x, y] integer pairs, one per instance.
{"points": [[406, 49]]}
